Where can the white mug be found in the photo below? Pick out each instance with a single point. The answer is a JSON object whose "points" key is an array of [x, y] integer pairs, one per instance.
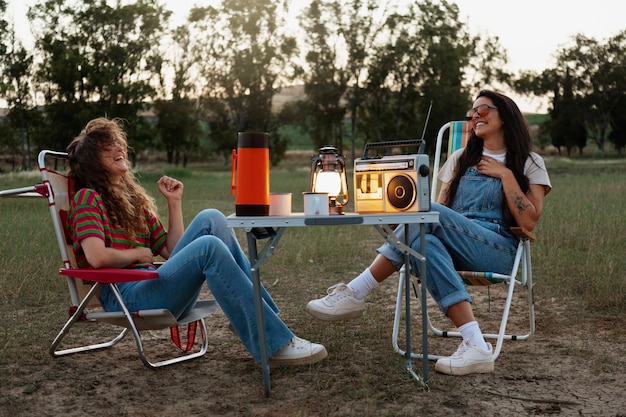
{"points": [[315, 204], [280, 204]]}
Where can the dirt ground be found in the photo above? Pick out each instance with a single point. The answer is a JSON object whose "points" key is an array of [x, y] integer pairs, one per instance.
{"points": [[572, 366]]}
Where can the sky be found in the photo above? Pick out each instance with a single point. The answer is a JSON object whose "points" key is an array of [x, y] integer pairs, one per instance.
{"points": [[531, 31]]}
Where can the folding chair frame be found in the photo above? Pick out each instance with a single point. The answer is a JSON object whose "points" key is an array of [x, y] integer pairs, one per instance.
{"points": [[522, 259], [56, 189]]}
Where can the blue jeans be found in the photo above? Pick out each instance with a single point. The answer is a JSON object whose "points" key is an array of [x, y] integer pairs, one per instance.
{"points": [[207, 252], [469, 237]]}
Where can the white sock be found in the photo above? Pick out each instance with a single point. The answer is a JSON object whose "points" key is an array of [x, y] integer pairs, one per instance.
{"points": [[471, 333], [363, 284]]}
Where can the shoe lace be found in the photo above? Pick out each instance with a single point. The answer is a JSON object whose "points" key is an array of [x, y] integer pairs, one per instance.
{"points": [[337, 292], [297, 343], [463, 347]]}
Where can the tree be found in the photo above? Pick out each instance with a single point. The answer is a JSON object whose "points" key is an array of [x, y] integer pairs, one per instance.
{"points": [[618, 128], [428, 58], [450, 54], [587, 86], [618, 124], [321, 113], [176, 108], [16, 64], [616, 68], [589, 53], [95, 61], [5, 38], [360, 31], [390, 110], [243, 55], [394, 66]]}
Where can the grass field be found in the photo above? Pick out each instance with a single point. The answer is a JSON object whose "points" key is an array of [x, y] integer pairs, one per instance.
{"points": [[580, 248], [579, 258]]}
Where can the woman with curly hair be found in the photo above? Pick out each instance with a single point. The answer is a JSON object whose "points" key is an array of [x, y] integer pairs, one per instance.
{"points": [[115, 225]]}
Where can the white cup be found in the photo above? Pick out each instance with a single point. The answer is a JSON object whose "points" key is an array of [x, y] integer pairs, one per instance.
{"points": [[280, 204], [315, 204]]}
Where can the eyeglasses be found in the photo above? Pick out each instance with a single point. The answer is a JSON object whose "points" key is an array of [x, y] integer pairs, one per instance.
{"points": [[482, 110]]}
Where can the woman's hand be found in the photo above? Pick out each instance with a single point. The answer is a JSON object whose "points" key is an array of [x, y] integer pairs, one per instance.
{"points": [[491, 167], [524, 207], [144, 255], [170, 188]]}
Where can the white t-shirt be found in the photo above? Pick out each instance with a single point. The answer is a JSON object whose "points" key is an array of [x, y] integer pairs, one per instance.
{"points": [[534, 168], [499, 155]]}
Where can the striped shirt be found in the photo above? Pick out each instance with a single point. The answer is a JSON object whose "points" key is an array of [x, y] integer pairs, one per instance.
{"points": [[89, 218]]}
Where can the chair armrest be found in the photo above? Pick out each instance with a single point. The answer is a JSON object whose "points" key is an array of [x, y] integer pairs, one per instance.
{"points": [[39, 190], [109, 275], [522, 233]]}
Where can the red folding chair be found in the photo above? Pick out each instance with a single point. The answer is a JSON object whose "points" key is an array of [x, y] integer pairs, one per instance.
{"points": [[84, 284]]}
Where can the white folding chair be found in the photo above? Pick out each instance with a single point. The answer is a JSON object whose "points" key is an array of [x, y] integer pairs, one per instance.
{"points": [[84, 283], [521, 274]]}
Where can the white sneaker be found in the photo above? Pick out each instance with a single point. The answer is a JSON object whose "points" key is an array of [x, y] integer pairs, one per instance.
{"points": [[299, 352], [468, 359], [339, 304]]}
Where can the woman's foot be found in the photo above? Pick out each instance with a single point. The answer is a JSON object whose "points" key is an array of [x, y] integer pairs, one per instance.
{"points": [[339, 304], [299, 352], [468, 359]]}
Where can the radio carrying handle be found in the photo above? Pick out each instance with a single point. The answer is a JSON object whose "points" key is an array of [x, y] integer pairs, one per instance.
{"points": [[419, 143]]}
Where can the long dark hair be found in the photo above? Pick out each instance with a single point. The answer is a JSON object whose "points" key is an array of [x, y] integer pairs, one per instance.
{"points": [[516, 139]]}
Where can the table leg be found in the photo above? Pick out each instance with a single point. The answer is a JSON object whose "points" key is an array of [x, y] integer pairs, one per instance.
{"points": [[258, 306], [407, 303], [423, 380], [423, 302], [391, 238]]}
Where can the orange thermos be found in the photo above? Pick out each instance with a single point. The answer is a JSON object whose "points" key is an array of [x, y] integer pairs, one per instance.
{"points": [[251, 174]]}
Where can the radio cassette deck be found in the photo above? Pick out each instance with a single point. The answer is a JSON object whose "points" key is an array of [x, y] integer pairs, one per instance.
{"points": [[391, 184]]}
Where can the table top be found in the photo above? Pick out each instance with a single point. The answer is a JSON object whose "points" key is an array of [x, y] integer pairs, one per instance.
{"points": [[299, 219]]}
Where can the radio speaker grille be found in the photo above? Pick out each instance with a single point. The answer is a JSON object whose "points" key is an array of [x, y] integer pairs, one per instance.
{"points": [[401, 192]]}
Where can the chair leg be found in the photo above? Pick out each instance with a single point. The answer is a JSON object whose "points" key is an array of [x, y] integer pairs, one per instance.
{"points": [[398, 314], [140, 349], [396, 322], [527, 272], [133, 329], [505, 317], [71, 321], [528, 283], [500, 336]]}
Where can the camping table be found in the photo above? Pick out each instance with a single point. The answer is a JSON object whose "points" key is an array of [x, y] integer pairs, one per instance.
{"points": [[256, 228]]}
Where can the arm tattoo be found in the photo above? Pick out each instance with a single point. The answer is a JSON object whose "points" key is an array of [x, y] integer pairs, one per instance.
{"points": [[519, 202]]}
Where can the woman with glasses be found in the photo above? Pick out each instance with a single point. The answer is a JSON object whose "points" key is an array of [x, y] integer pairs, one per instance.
{"points": [[114, 225], [492, 184]]}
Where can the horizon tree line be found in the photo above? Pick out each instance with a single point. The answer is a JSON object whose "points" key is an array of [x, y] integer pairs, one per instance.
{"points": [[370, 72]]}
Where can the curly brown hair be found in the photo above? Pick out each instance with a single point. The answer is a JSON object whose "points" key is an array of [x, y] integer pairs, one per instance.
{"points": [[125, 202]]}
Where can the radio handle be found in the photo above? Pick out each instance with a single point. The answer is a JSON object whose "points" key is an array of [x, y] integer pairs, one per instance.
{"points": [[419, 143]]}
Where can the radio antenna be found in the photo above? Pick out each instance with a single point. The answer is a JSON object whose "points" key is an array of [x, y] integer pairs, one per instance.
{"points": [[423, 143]]}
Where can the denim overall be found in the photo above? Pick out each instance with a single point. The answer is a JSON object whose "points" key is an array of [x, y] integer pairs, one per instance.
{"points": [[208, 252], [470, 236]]}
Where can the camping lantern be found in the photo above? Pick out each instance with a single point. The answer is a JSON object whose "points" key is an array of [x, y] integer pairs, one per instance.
{"points": [[328, 175]]}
